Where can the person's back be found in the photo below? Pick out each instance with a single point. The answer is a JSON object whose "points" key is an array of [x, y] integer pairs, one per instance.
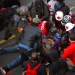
{"points": [[69, 52], [38, 9], [58, 64], [32, 33], [33, 62], [59, 67]]}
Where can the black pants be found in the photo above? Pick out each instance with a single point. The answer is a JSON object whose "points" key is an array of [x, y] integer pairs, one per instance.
{"points": [[24, 54]]}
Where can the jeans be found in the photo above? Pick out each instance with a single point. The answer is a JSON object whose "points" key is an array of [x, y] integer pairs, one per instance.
{"points": [[9, 49], [12, 49], [18, 60], [14, 63]]}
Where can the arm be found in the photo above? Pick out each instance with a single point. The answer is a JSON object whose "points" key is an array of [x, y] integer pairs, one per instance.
{"points": [[29, 7], [39, 40], [24, 68], [67, 52], [46, 13]]}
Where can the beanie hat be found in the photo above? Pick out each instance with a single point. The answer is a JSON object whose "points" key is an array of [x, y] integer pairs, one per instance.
{"points": [[36, 20], [23, 10]]}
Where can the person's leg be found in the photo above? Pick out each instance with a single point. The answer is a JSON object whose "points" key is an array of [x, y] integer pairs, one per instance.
{"points": [[23, 58], [70, 64], [9, 49], [14, 63], [10, 66]]}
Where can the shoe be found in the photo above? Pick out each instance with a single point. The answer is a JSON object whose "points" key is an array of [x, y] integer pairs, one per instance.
{"points": [[2, 71], [9, 72]]}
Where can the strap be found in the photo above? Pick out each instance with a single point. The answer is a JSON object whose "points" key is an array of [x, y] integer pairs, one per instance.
{"points": [[28, 65], [36, 67], [45, 45], [31, 6]]}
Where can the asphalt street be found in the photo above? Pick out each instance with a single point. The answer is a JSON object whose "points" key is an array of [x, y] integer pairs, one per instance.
{"points": [[8, 58]]}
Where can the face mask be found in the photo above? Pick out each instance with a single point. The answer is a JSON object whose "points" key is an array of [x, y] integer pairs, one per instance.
{"points": [[23, 17]]}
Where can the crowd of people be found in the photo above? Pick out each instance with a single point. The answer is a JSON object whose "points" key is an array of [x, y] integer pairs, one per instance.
{"points": [[47, 37]]}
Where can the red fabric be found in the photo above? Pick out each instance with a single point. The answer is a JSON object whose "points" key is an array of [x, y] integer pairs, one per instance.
{"points": [[29, 23], [8, 73], [32, 71], [42, 26], [3, 8], [70, 52]]}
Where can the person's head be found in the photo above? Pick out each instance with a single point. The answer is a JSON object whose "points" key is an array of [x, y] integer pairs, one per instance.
{"points": [[23, 11], [71, 37], [64, 42], [34, 56], [49, 24], [59, 15], [52, 32], [69, 26], [35, 21], [66, 19], [60, 0], [39, 5]]}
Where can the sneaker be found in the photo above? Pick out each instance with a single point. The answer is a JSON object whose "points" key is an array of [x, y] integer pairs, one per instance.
{"points": [[2, 71], [8, 73]]}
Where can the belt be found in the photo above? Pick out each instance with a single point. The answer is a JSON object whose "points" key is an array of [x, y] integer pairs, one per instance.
{"points": [[25, 47]]}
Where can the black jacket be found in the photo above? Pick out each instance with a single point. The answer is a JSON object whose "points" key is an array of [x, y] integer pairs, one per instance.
{"points": [[33, 11], [60, 64], [31, 34]]}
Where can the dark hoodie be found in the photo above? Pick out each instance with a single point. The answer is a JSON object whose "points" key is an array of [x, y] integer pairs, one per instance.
{"points": [[57, 63]]}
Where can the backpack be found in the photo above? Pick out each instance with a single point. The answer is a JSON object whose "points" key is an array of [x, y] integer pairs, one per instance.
{"points": [[32, 71]]}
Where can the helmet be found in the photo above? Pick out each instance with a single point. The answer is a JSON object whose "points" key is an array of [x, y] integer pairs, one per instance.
{"points": [[59, 15], [23, 10], [66, 19], [69, 26], [53, 30]]}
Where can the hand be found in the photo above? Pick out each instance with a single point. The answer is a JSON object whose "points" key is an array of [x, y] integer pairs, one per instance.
{"points": [[30, 18]]}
